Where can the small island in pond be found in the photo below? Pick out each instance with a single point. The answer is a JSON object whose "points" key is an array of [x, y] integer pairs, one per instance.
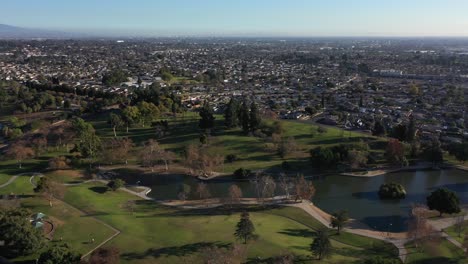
{"points": [[392, 191]]}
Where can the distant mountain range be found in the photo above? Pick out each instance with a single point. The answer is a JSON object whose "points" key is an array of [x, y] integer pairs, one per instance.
{"points": [[12, 32]]}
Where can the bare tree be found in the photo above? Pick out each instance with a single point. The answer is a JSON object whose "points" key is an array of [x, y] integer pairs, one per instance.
{"points": [[202, 191], [201, 162], [117, 150], [59, 163], [235, 194], [285, 184], [459, 224], [50, 189], [304, 189], [152, 153], [39, 144], [268, 187], [418, 228], [19, 151]]}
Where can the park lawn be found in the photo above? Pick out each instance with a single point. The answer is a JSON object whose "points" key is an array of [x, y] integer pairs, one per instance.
{"points": [[435, 253], [4, 178], [168, 235], [73, 226], [65, 176], [451, 231], [251, 152]]}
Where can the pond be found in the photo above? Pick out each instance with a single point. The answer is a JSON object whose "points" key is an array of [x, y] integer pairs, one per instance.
{"points": [[335, 192]]}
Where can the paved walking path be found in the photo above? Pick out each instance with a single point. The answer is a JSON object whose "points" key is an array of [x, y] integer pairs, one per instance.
{"points": [[397, 239], [12, 179]]}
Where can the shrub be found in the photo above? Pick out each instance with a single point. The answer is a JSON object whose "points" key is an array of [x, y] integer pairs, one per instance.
{"points": [[392, 191], [59, 163], [116, 184], [242, 173], [231, 158]]}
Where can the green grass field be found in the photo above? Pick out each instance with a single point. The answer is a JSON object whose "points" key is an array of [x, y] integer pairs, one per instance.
{"points": [[168, 235], [252, 152], [435, 253]]}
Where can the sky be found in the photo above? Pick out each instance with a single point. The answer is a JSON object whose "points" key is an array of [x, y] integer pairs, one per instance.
{"points": [[293, 18]]}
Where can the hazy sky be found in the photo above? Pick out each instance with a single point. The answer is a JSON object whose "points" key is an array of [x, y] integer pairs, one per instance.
{"points": [[244, 17]]}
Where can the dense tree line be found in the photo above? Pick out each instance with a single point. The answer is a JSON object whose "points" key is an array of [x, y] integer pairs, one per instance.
{"points": [[244, 115]]}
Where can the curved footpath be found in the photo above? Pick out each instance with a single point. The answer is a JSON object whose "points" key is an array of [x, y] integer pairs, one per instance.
{"points": [[355, 227]]}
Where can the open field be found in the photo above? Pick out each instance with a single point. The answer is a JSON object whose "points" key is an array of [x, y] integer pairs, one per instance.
{"points": [[252, 152], [435, 253], [169, 235], [71, 225]]}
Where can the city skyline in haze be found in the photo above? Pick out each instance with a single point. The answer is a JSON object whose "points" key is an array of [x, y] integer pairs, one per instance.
{"points": [[292, 18]]}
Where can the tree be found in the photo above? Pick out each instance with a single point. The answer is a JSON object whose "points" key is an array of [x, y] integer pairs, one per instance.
{"points": [[418, 227], [116, 184], [201, 162], [114, 77], [414, 89], [267, 186], [395, 152], [147, 112], [245, 229], [20, 237], [59, 253], [285, 184], [323, 157], [339, 219], [357, 159], [444, 201], [59, 163], [231, 118], [392, 191], [207, 119], [379, 129], [433, 152], [50, 189], [321, 246], [109, 255], [202, 191], [19, 151], [117, 150], [254, 117], [459, 224], [411, 130], [39, 144], [130, 115], [153, 153], [287, 146], [244, 117], [184, 191], [304, 189], [115, 121], [235, 194], [242, 173], [88, 143]]}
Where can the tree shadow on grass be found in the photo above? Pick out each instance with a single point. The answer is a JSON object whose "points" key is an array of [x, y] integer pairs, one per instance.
{"points": [[177, 251], [298, 232], [223, 210], [277, 259], [98, 189], [438, 260]]}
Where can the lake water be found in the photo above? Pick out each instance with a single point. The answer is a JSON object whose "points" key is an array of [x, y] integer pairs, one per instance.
{"points": [[336, 192]]}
